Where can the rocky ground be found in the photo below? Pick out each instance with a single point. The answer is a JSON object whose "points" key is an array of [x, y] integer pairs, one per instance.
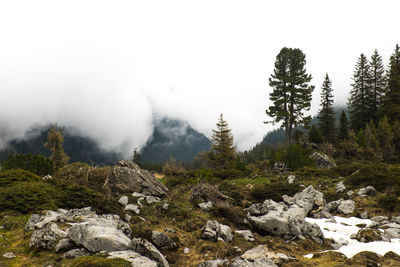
{"points": [[291, 219]]}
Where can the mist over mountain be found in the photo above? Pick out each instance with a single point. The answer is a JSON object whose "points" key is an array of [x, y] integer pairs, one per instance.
{"points": [[173, 138], [170, 138]]}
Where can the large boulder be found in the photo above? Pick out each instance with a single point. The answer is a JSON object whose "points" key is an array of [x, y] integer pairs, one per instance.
{"points": [[209, 193], [127, 177], [99, 234], [367, 191], [287, 219], [47, 237], [162, 241], [215, 231], [134, 258], [147, 249], [322, 160]]}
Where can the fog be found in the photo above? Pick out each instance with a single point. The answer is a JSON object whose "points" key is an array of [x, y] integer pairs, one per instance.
{"points": [[108, 68]]}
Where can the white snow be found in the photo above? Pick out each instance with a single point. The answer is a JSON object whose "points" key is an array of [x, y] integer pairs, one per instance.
{"points": [[343, 228]]}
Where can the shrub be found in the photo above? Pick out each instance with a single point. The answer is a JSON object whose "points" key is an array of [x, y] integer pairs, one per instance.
{"points": [[37, 164], [388, 202], [274, 191], [17, 175], [228, 173], [296, 157]]}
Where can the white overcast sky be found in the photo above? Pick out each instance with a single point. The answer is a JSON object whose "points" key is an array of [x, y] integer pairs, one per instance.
{"points": [[106, 67]]}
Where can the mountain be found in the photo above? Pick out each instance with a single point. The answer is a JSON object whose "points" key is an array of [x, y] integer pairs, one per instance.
{"points": [[173, 138], [170, 138]]}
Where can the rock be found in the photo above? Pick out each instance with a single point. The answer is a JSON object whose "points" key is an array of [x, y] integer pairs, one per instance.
{"points": [[245, 234], [151, 199], [47, 237], [136, 194], [390, 233], [350, 193], [287, 221], [209, 193], [128, 217], [127, 177], [396, 219], [162, 241], [134, 258], [47, 177], [30, 225], [364, 215], [51, 216], [367, 191], [260, 262], [132, 207], [322, 160], [169, 230], [368, 235], [258, 256], [205, 206], [164, 207], [346, 207], [186, 250], [213, 230], [9, 255], [280, 167], [380, 219], [64, 245], [99, 234], [123, 200], [213, 263], [291, 179], [340, 187], [145, 248], [76, 253], [339, 243]]}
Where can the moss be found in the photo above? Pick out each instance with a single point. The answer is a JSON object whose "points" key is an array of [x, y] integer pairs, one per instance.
{"points": [[98, 261]]}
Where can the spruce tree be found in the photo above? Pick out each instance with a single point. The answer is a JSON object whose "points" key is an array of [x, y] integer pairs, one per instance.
{"points": [[385, 139], [291, 94], [392, 103], [136, 157], [377, 84], [372, 149], [326, 116], [343, 131], [358, 103], [55, 142], [223, 152]]}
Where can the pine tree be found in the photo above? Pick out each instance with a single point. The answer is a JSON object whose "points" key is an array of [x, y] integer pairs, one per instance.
{"points": [[396, 138], [372, 149], [222, 151], [358, 103], [55, 142], [385, 139], [314, 135], [291, 94], [136, 157], [392, 103], [343, 132], [326, 116], [377, 84]]}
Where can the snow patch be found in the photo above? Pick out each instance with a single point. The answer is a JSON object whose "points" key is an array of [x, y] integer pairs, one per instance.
{"points": [[342, 230]]}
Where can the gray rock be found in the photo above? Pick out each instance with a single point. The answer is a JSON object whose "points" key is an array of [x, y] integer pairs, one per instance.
{"points": [[209, 193], [186, 250], [136, 194], [205, 206], [380, 219], [30, 225], [134, 258], [260, 262], [47, 237], [127, 177], [124, 200], [396, 219], [64, 245], [390, 233], [339, 243], [213, 230], [290, 179], [350, 193], [51, 216], [99, 234], [364, 215], [367, 191], [346, 207], [128, 217], [162, 241], [9, 255], [245, 234], [145, 248], [47, 177], [169, 230], [322, 160], [76, 253], [151, 199], [132, 207], [340, 187], [213, 263]]}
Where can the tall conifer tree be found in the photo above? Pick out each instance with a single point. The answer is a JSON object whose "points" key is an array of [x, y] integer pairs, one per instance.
{"points": [[222, 151], [359, 95], [392, 103], [292, 93], [326, 116], [55, 142], [378, 85], [343, 131]]}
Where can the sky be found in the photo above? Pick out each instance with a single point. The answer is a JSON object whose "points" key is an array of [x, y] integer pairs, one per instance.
{"points": [[108, 68]]}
